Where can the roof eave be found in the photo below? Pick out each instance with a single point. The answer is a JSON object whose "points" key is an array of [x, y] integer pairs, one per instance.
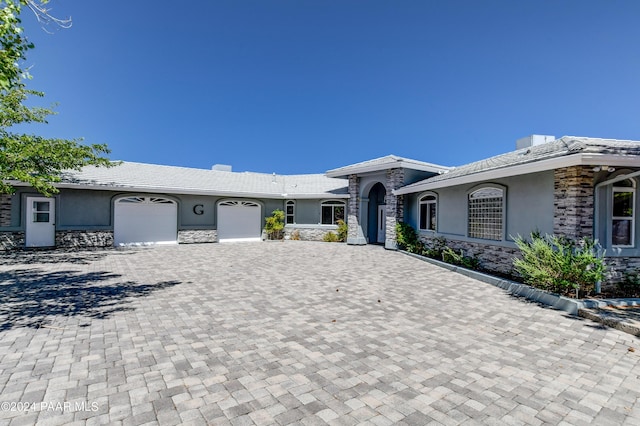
{"points": [[580, 159], [352, 170], [187, 191]]}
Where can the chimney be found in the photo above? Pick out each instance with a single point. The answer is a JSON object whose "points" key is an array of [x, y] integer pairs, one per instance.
{"points": [[533, 140]]}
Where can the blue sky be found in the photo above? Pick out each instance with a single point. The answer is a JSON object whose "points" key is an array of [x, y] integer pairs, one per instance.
{"points": [[302, 86]]}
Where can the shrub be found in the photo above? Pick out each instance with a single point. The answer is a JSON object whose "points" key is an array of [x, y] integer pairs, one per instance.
{"points": [[560, 265], [436, 248], [330, 237], [450, 256], [630, 285], [274, 225], [343, 230], [407, 238]]}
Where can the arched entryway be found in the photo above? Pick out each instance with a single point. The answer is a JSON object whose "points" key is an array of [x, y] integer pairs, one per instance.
{"points": [[376, 214]]}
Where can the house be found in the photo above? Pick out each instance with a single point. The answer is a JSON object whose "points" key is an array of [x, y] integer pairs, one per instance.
{"points": [[134, 203], [572, 186]]}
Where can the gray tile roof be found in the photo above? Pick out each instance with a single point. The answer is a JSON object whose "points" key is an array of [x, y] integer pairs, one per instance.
{"points": [[171, 179], [384, 163], [565, 146]]}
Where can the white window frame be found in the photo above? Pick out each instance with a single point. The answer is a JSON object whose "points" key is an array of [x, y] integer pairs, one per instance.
{"points": [[428, 199], [632, 218], [288, 203], [333, 204], [481, 217]]}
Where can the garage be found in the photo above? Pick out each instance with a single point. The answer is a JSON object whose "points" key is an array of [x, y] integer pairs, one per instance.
{"points": [[145, 221], [239, 221]]}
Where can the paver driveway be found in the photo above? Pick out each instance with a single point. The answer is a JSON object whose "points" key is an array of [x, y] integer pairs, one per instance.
{"points": [[293, 332]]}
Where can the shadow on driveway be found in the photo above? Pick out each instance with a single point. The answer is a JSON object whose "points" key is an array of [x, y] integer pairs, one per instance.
{"points": [[40, 256], [32, 297]]}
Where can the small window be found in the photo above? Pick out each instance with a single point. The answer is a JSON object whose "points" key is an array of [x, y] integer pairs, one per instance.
{"points": [[486, 213], [290, 212], [622, 215], [428, 210], [41, 211], [332, 212]]}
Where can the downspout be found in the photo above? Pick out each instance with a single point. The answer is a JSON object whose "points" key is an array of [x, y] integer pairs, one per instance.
{"points": [[596, 204]]}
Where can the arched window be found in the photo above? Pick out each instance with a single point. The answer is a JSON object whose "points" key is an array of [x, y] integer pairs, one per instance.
{"points": [[332, 211], [427, 214], [290, 212], [622, 213], [486, 208]]}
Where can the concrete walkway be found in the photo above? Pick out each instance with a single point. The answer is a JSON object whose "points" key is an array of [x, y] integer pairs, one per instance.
{"points": [[293, 333]]}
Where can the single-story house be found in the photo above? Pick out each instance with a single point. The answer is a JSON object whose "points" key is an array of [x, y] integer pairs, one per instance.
{"points": [[572, 186], [139, 204]]}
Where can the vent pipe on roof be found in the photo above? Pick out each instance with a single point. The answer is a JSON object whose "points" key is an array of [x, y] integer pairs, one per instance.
{"points": [[533, 140], [221, 167]]}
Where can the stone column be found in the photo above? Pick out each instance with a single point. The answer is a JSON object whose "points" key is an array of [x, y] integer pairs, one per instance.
{"points": [[5, 209], [395, 207], [354, 233], [573, 201]]}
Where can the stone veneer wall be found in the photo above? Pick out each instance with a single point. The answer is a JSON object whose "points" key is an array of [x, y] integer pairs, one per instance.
{"points": [[308, 234], [84, 239], [191, 236], [353, 207], [395, 206], [618, 266], [11, 240], [5, 209], [492, 258], [573, 201]]}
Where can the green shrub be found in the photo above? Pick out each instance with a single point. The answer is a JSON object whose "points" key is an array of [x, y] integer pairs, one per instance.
{"points": [[330, 237], [274, 225], [407, 238], [630, 285], [435, 248], [560, 265], [450, 256], [343, 230]]}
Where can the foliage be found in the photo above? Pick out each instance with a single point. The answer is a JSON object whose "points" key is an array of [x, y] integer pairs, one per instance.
{"points": [[450, 256], [330, 237], [630, 285], [435, 248], [407, 238], [295, 235], [343, 230], [560, 265], [32, 159], [274, 225]]}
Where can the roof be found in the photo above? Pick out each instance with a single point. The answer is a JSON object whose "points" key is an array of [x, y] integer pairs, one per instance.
{"points": [[181, 180], [385, 163], [563, 152]]}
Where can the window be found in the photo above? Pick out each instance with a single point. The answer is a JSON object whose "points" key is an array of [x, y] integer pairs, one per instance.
{"points": [[290, 212], [427, 214], [485, 213], [622, 215], [41, 211], [332, 212]]}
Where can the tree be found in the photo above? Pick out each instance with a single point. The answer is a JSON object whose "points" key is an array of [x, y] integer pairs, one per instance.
{"points": [[29, 158]]}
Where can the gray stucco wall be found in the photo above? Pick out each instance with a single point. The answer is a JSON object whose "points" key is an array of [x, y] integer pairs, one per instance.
{"points": [[529, 206], [79, 209]]}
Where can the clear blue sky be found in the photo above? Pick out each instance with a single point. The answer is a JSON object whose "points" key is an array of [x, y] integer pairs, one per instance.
{"points": [[302, 86]]}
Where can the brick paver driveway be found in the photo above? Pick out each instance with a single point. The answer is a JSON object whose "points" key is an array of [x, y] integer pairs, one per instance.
{"points": [[294, 332]]}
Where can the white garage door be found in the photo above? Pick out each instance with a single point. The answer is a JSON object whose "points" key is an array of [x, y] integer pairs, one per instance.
{"points": [[145, 220], [239, 221]]}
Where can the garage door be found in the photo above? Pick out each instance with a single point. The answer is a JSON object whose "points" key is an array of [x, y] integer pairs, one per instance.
{"points": [[145, 221], [239, 221]]}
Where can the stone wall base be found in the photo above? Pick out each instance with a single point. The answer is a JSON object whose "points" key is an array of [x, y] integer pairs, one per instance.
{"points": [[11, 240], [84, 239], [308, 234], [618, 266], [492, 258], [193, 236]]}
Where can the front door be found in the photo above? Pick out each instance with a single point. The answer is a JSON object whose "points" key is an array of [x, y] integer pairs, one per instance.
{"points": [[382, 222], [40, 227]]}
